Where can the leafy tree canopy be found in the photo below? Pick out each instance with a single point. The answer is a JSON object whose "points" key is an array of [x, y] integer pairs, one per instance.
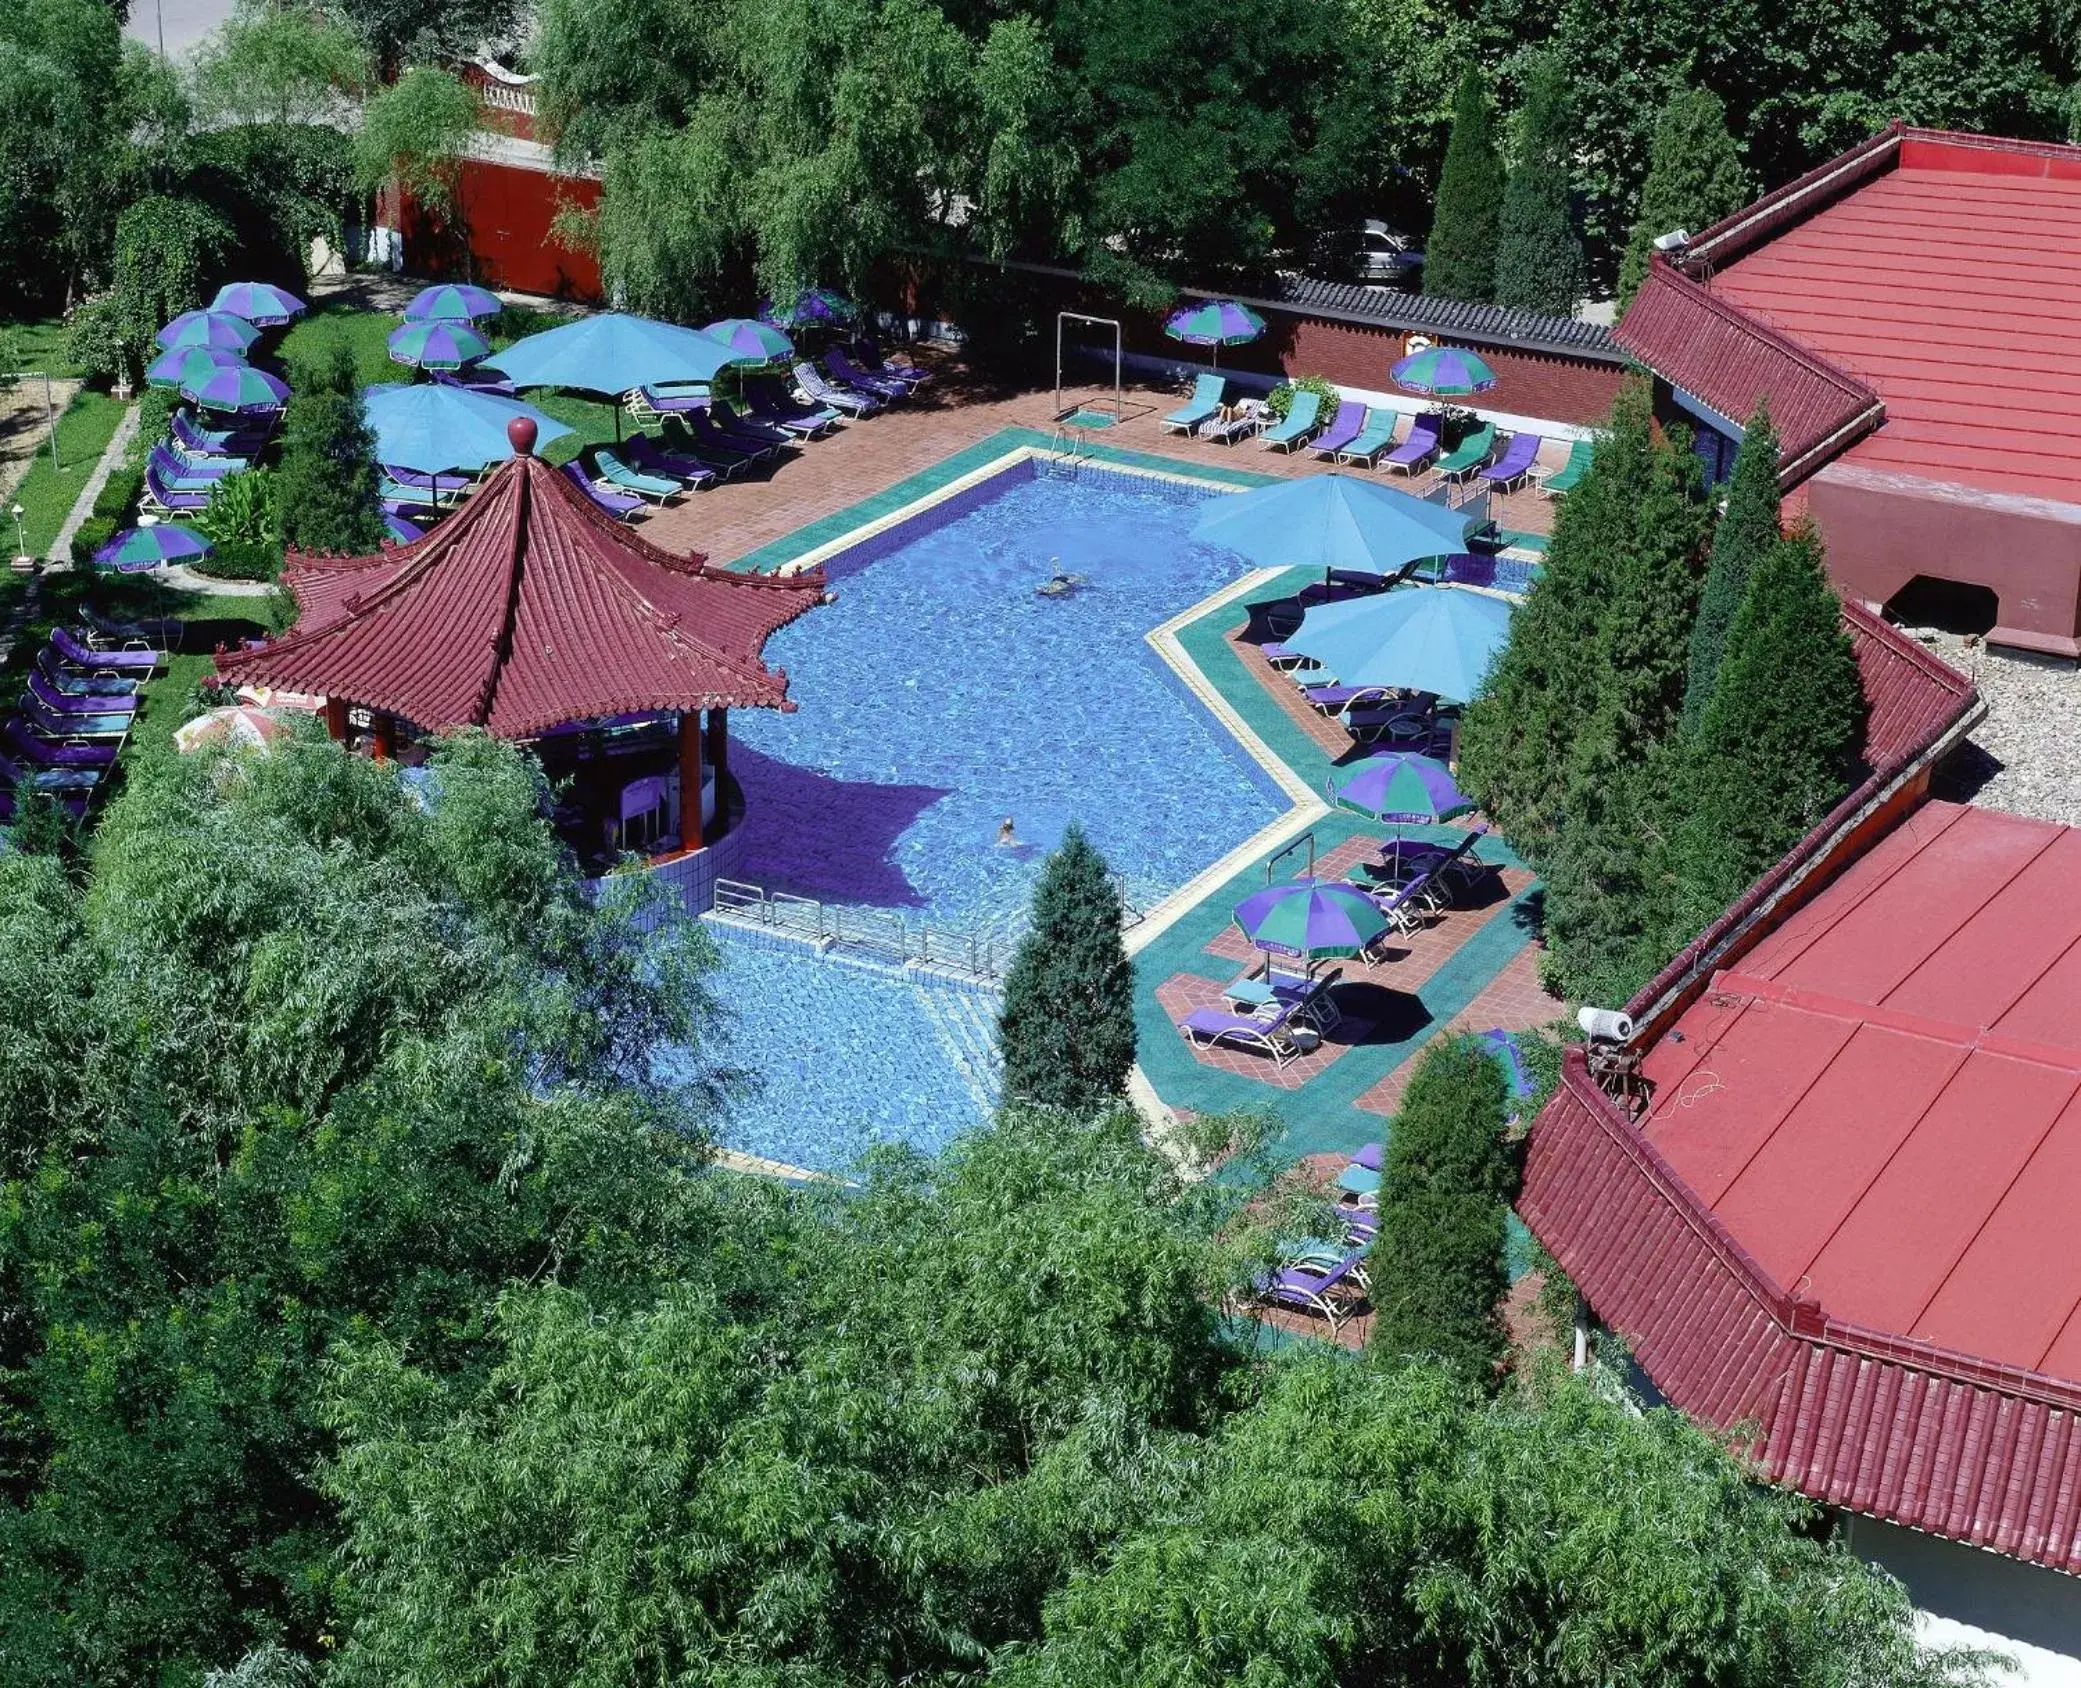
{"points": [[268, 65]]}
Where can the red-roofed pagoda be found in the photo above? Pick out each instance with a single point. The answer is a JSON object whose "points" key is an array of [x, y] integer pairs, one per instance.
{"points": [[532, 615]]}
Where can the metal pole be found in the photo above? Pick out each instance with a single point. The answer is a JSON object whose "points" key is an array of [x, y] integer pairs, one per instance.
{"points": [[159, 10], [50, 417]]}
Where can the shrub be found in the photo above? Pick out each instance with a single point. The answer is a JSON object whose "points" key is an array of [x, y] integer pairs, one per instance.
{"points": [[1281, 398], [243, 559], [93, 533], [330, 492], [119, 494], [170, 254], [94, 338], [243, 509], [1067, 1027]]}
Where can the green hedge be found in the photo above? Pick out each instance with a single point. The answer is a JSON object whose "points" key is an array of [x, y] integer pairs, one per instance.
{"points": [[243, 560]]}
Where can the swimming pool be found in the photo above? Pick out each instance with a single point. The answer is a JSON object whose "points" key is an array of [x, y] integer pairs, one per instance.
{"points": [[944, 691], [940, 693]]}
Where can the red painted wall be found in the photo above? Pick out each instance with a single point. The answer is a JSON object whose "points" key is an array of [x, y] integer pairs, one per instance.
{"points": [[507, 212], [1883, 529]]}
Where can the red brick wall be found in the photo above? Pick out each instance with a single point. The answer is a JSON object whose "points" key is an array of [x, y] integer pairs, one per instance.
{"points": [[507, 211]]}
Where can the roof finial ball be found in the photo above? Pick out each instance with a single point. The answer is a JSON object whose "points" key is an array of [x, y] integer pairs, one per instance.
{"points": [[521, 433]]}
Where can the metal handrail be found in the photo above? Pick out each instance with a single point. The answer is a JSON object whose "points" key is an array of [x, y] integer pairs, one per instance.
{"points": [[983, 952]]}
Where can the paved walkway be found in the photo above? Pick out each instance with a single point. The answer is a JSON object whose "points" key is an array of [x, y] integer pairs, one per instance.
{"points": [[59, 556]]}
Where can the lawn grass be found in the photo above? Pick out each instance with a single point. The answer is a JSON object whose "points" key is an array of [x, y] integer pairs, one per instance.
{"points": [[47, 494], [39, 347]]}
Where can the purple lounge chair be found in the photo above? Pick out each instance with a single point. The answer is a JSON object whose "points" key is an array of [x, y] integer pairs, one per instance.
{"points": [[1425, 435], [745, 436], [1344, 427], [850, 374], [194, 440], [1464, 568], [1269, 1035], [1516, 462], [618, 505], [174, 472], [1334, 700], [46, 753], [680, 400], [716, 446], [812, 382], [48, 723], [63, 678], [77, 651], [646, 454], [481, 380], [22, 777], [1330, 1295], [869, 357], [59, 702], [771, 404], [162, 495], [401, 530]]}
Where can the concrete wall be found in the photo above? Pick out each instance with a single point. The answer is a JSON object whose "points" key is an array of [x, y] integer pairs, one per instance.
{"points": [[1883, 529], [1988, 1599]]}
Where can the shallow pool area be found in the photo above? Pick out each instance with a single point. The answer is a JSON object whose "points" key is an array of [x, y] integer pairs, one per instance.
{"points": [[986, 659], [990, 662]]}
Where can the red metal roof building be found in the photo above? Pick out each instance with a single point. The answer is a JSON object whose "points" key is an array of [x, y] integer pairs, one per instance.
{"points": [[1910, 311], [527, 610]]}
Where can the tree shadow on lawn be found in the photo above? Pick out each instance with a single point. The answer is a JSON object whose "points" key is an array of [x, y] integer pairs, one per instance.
{"points": [[812, 835]]}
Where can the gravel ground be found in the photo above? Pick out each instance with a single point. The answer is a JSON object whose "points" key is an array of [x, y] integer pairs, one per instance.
{"points": [[2026, 756]]}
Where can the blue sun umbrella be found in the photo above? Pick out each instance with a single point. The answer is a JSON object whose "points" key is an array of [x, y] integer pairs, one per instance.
{"points": [[750, 339], [1436, 639], [170, 369], [812, 306], [261, 303], [432, 428], [452, 302], [437, 345], [613, 353], [208, 328], [239, 389], [139, 548], [1331, 522]]}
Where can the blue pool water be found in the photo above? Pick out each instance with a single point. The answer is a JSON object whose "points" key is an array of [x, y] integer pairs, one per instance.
{"points": [[942, 692], [939, 694]]}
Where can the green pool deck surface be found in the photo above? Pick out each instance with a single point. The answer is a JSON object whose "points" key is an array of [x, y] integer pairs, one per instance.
{"points": [[1321, 1115]]}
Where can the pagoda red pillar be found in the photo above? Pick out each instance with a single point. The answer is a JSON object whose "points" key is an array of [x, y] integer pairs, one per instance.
{"points": [[719, 739], [336, 719], [690, 779], [385, 730]]}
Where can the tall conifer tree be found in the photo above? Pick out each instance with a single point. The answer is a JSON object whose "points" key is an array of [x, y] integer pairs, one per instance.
{"points": [[1067, 1026], [1460, 259], [329, 490], [1694, 178], [1748, 531], [1539, 261]]}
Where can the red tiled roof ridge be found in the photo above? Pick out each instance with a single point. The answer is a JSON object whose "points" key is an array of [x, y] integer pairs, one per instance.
{"points": [[1702, 297], [1735, 233], [1801, 1318], [1729, 936]]}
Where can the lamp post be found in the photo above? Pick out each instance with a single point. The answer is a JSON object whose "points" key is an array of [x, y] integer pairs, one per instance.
{"points": [[22, 563]]}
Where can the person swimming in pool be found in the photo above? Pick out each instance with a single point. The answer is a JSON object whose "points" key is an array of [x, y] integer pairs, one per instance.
{"points": [[1007, 834]]}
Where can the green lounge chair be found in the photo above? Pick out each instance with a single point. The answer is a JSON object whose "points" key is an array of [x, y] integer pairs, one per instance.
{"points": [[1204, 405], [1470, 454], [611, 471], [1301, 423], [1377, 435], [1569, 475]]}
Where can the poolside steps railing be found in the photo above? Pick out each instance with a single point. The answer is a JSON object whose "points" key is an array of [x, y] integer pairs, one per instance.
{"points": [[981, 955]]}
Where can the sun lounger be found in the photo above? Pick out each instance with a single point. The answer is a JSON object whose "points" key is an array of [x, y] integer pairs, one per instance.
{"points": [[58, 701], [612, 473], [619, 505], [712, 445], [1273, 1037], [69, 681], [1299, 426], [646, 454], [1376, 433], [1330, 1295], [52, 753], [1515, 463], [813, 384], [1293, 997], [1425, 436], [403, 531], [1335, 699], [433, 489], [79, 652], [175, 473], [719, 422], [1556, 483], [1345, 426], [213, 464], [1208, 391], [22, 776], [871, 359], [743, 424], [1470, 454], [197, 441], [770, 403], [166, 498], [677, 398], [848, 373], [49, 723], [480, 380]]}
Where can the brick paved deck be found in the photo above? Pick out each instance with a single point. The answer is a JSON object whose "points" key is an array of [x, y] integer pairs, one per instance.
{"points": [[864, 458]]}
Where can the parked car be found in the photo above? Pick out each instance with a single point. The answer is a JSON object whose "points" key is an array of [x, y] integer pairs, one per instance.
{"points": [[1386, 256]]}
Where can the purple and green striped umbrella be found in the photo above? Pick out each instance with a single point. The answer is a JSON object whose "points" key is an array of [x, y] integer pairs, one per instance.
{"points": [[452, 302], [1310, 918], [208, 328], [237, 388], [261, 303], [140, 548], [437, 345], [1218, 322], [748, 339], [1402, 786], [1444, 372], [812, 305], [189, 363]]}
